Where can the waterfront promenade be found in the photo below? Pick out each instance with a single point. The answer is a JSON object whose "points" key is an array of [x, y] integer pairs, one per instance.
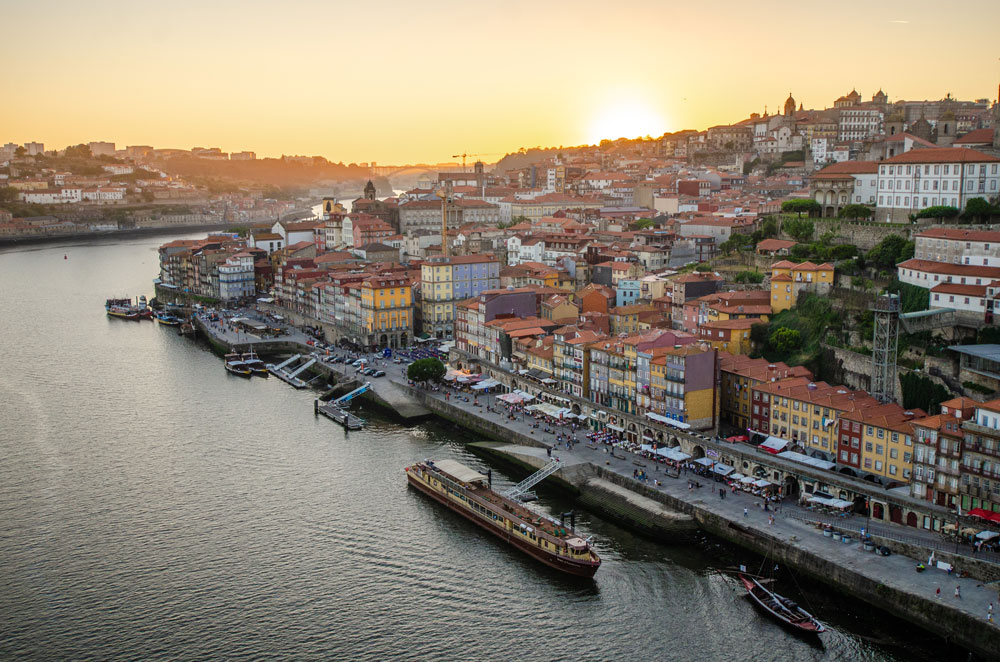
{"points": [[793, 526]]}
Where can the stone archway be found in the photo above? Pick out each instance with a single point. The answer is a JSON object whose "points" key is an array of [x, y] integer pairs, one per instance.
{"points": [[673, 442], [895, 514], [790, 487], [860, 505], [848, 471], [759, 471], [911, 519], [633, 433], [878, 511], [697, 451], [659, 437], [648, 435]]}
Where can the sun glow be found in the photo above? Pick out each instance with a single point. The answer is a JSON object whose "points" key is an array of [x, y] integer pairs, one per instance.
{"points": [[629, 119]]}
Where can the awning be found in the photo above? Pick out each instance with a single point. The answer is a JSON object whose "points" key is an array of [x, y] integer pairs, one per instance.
{"points": [[736, 477], [985, 514], [486, 383], [459, 471], [762, 483], [722, 469], [615, 428], [674, 454], [805, 459], [548, 380], [704, 461], [666, 421], [747, 480], [987, 535], [646, 447], [774, 445]]}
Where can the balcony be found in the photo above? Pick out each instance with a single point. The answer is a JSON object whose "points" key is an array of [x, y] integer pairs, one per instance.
{"points": [[993, 474], [976, 447]]}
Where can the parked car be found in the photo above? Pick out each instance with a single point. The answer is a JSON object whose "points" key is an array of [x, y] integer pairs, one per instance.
{"points": [[358, 363], [378, 373]]}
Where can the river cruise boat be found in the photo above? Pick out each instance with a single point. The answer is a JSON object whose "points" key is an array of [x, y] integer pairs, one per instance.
{"points": [[257, 367], [167, 319], [785, 610], [236, 366], [469, 493], [123, 309]]}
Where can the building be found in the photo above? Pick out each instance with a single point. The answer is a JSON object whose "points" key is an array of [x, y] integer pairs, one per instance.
{"points": [[445, 281], [958, 246], [841, 184], [979, 484], [683, 385], [690, 286], [937, 451], [732, 336], [772, 247], [236, 277], [386, 311], [876, 443], [789, 279], [738, 375], [923, 178], [426, 214]]}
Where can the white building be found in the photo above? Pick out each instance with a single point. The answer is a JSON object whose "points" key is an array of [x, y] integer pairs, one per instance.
{"points": [[34, 149], [977, 247], [101, 148], [859, 123], [964, 298], [52, 196], [925, 273], [925, 178], [104, 194], [236, 279]]}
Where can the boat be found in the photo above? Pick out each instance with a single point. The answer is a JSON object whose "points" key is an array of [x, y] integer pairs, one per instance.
{"points": [[122, 308], [167, 319], [257, 367], [469, 493], [186, 329], [784, 609], [236, 366]]}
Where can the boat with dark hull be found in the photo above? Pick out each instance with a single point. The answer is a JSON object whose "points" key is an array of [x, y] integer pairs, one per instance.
{"points": [[257, 367], [236, 366], [786, 611], [470, 494]]}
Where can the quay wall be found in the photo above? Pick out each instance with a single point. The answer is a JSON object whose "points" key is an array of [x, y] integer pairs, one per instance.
{"points": [[931, 614]]}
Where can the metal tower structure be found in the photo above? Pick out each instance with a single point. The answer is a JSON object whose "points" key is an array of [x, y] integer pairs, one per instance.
{"points": [[884, 346]]}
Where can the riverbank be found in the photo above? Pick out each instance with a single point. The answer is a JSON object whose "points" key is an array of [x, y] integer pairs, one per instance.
{"points": [[78, 237], [666, 509]]}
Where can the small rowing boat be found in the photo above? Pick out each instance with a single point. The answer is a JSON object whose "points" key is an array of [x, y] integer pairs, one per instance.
{"points": [[784, 609]]}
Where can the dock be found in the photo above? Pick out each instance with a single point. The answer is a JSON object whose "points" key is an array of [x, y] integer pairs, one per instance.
{"points": [[340, 415], [288, 374]]}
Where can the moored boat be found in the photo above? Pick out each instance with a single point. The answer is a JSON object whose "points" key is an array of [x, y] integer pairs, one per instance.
{"points": [[257, 367], [784, 609], [167, 319], [236, 366], [470, 494], [122, 308]]}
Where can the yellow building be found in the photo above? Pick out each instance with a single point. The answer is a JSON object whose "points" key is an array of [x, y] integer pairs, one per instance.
{"points": [[738, 374], [683, 385], [878, 442], [788, 279], [540, 357], [625, 319], [731, 335], [805, 414], [387, 311]]}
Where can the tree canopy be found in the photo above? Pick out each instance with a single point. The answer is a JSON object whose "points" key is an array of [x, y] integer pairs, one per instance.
{"points": [[980, 209], [423, 370], [856, 211], [801, 206], [784, 339], [799, 229], [890, 251], [940, 211]]}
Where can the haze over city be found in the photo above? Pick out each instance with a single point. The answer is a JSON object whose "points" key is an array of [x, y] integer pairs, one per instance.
{"points": [[398, 82]]}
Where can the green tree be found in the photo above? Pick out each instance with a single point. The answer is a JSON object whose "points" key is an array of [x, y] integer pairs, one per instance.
{"points": [[703, 267], [643, 223], [8, 194], [784, 340], [749, 277], [843, 251], [890, 251], [979, 209], [939, 212], [423, 370], [920, 392], [800, 207], [80, 151], [799, 229], [856, 211], [20, 151], [769, 228]]}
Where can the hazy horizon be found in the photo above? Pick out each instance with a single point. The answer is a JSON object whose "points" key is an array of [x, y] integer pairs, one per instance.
{"points": [[400, 83]]}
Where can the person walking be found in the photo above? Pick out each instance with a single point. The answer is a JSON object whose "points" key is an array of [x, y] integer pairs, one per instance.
{"points": [[937, 594], [746, 513], [770, 520], [958, 592]]}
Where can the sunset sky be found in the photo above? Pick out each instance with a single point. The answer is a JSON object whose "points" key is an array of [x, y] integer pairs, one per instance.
{"points": [[402, 81]]}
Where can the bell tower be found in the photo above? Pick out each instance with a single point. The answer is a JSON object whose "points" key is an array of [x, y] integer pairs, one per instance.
{"points": [[369, 190]]}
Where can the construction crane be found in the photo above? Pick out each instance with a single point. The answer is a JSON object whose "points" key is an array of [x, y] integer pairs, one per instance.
{"points": [[463, 155]]}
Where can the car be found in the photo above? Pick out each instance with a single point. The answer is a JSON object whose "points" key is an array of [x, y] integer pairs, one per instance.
{"points": [[369, 372], [358, 363], [310, 342], [378, 373]]}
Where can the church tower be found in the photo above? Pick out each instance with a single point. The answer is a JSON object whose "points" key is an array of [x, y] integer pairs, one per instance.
{"points": [[945, 129], [789, 106], [369, 190]]}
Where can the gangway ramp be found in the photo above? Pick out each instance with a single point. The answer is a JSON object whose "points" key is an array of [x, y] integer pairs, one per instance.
{"points": [[344, 399], [522, 488]]}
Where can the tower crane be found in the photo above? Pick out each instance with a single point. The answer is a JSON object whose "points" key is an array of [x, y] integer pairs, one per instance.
{"points": [[463, 155]]}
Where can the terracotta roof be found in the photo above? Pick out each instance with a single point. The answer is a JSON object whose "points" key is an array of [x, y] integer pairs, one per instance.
{"points": [[774, 244], [976, 137], [957, 288], [845, 169], [942, 155], [930, 266], [961, 235]]}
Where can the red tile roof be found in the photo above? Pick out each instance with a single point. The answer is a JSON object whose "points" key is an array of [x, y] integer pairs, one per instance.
{"points": [[943, 155]]}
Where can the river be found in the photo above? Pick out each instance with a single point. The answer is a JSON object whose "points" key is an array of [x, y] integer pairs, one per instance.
{"points": [[155, 507]]}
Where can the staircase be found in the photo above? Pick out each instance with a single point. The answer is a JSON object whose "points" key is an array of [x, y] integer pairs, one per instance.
{"points": [[522, 488]]}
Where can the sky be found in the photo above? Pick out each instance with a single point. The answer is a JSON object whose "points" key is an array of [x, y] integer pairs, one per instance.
{"points": [[397, 81]]}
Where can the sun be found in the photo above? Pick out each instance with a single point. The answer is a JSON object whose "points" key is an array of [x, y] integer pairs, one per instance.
{"points": [[628, 119]]}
